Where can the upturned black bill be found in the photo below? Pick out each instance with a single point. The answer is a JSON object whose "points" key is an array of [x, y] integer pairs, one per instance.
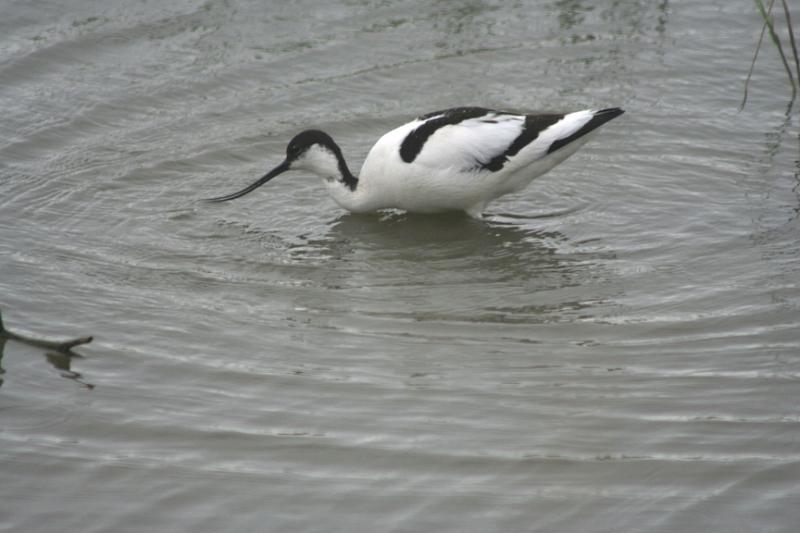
{"points": [[283, 167]]}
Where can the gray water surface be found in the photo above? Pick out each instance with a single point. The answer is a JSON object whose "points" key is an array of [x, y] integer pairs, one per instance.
{"points": [[617, 348]]}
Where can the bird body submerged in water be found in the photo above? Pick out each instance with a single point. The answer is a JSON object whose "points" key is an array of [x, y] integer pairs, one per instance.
{"points": [[456, 159]]}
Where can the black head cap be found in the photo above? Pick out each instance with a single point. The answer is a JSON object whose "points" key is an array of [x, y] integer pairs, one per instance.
{"points": [[305, 140]]}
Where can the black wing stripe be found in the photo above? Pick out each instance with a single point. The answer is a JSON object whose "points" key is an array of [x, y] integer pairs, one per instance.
{"points": [[534, 125], [414, 141], [599, 118]]}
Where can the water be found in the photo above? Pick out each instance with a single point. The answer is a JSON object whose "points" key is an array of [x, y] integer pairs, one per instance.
{"points": [[614, 349]]}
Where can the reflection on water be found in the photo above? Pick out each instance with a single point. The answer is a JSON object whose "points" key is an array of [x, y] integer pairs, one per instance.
{"points": [[446, 236], [571, 13], [63, 363], [443, 263], [628, 18]]}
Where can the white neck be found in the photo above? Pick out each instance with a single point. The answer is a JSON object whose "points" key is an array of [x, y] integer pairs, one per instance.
{"points": [[331, 167]]}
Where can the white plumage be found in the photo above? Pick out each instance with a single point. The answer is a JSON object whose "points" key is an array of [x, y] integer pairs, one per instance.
{"points": [[456, 159]]}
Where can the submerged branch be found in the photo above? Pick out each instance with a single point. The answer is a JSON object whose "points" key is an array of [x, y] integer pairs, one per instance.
{"points": [[64, 347]]}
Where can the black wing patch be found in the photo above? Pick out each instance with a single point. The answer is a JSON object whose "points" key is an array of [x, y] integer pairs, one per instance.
{"points": [[599, 118], [414, 141], [534, 125]]}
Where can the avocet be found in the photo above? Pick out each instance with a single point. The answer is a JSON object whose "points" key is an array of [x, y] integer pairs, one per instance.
{"points": [[456, 159]]}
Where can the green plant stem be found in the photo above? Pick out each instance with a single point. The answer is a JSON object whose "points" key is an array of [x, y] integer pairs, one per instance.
{"points": [[792, 41], [753, 62], [768, 19]]}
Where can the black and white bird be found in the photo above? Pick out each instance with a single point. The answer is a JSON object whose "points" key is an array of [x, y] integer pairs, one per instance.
{"points": [[456, 159]]}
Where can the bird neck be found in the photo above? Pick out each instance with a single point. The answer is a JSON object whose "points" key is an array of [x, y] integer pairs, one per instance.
{"points": [[328, 163], [342, 185], [345, 176]]}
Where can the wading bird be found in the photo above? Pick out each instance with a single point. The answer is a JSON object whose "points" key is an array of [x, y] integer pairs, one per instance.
{"points": [[456, 159]]}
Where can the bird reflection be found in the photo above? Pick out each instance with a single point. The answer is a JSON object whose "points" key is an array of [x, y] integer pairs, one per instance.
{"points": [[445, 241], [447, 267]]}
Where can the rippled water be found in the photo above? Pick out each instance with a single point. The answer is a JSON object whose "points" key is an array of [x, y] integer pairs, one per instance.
{"points": [[614, 349]]}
